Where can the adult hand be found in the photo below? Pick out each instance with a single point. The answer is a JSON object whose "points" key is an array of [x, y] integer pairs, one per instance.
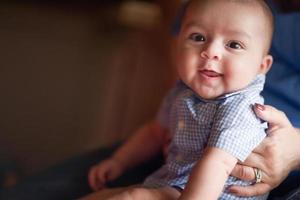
{"points": [[103, 172], [276, 156]]}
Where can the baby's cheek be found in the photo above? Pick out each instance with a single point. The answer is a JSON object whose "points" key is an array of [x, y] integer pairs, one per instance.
{"points": [[232, 83]]}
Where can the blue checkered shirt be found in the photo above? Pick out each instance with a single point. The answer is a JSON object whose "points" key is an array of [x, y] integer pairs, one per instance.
{"points": [[227, 122]]}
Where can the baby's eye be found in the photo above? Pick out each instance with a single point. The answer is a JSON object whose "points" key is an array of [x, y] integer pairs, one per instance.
{"points": [[197, 37], [234, 45]]}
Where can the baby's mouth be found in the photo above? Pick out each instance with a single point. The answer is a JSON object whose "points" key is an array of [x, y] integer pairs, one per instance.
{"points": [[210, 73]]}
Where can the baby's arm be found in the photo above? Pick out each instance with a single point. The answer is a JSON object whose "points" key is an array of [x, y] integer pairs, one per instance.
{"points": [[209, 175], [144, 144]]}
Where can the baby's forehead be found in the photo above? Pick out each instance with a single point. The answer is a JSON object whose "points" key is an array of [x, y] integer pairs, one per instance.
{"points": [[222, 8], [203, 4], [257, 8]]}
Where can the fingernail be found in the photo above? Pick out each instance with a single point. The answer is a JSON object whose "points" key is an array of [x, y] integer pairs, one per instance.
{"points": [[232, 191], [260, 107]]}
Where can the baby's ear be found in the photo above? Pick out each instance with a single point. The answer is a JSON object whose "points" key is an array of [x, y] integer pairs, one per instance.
{"points": [[266, 64]]}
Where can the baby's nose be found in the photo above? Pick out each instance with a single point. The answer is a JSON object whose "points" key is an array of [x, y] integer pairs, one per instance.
{"points": [[212, 51]]}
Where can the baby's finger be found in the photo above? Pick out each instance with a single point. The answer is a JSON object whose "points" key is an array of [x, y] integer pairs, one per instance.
{"points": [[101, 178], [92, 178]]}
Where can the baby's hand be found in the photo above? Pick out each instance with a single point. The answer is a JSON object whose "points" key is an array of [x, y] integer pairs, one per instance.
{"points": [[103, 172]]}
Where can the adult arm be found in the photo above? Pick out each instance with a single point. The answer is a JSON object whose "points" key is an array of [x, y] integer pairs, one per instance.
{"points": [[276, 156]]}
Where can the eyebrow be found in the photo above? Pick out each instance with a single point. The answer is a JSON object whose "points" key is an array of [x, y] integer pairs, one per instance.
{"points": [[191, 24], [239, 33]]}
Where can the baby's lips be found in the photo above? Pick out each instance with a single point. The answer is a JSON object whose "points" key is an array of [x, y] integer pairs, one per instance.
{"points": [[210, 73]]}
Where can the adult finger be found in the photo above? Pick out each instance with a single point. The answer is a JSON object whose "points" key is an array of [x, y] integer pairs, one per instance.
{"points": [[254, 160], [251, 190], [274, 117], [243, 172]]}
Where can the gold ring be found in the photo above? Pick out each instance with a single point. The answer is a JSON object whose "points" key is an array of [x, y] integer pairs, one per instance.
{"points": [[258, 175]]}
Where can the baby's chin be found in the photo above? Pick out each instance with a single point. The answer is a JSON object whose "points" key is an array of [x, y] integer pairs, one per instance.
{"points": [[208, 93]]}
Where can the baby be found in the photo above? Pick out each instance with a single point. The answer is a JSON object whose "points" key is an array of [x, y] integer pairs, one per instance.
{"points": [[222, 58]]}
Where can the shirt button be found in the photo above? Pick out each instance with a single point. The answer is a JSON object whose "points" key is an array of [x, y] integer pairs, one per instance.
{"points": [[179, 157], [180, 125]]}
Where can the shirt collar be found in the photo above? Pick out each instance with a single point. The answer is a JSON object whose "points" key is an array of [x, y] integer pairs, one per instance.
{"points": [[256, 85]]}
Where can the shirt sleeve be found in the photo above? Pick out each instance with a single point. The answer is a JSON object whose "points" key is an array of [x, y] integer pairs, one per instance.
{"points": [[236, 129], [163, 114]]}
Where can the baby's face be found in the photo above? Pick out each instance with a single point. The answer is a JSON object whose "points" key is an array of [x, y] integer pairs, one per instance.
{"points": [[221, 47]]}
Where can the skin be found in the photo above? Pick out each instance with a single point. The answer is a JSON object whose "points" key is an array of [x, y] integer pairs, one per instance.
{"points": [[276, 156], [279, 153], [133, 152], [214, 94], [134, 192], [212, 57], [219, 53], [211, 66]]}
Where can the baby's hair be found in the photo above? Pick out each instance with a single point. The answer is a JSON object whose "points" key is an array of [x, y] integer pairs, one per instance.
{"points": [[261, 3]]}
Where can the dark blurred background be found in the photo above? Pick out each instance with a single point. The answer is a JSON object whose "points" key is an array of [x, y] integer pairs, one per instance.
{"points": [[78, 75]]}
